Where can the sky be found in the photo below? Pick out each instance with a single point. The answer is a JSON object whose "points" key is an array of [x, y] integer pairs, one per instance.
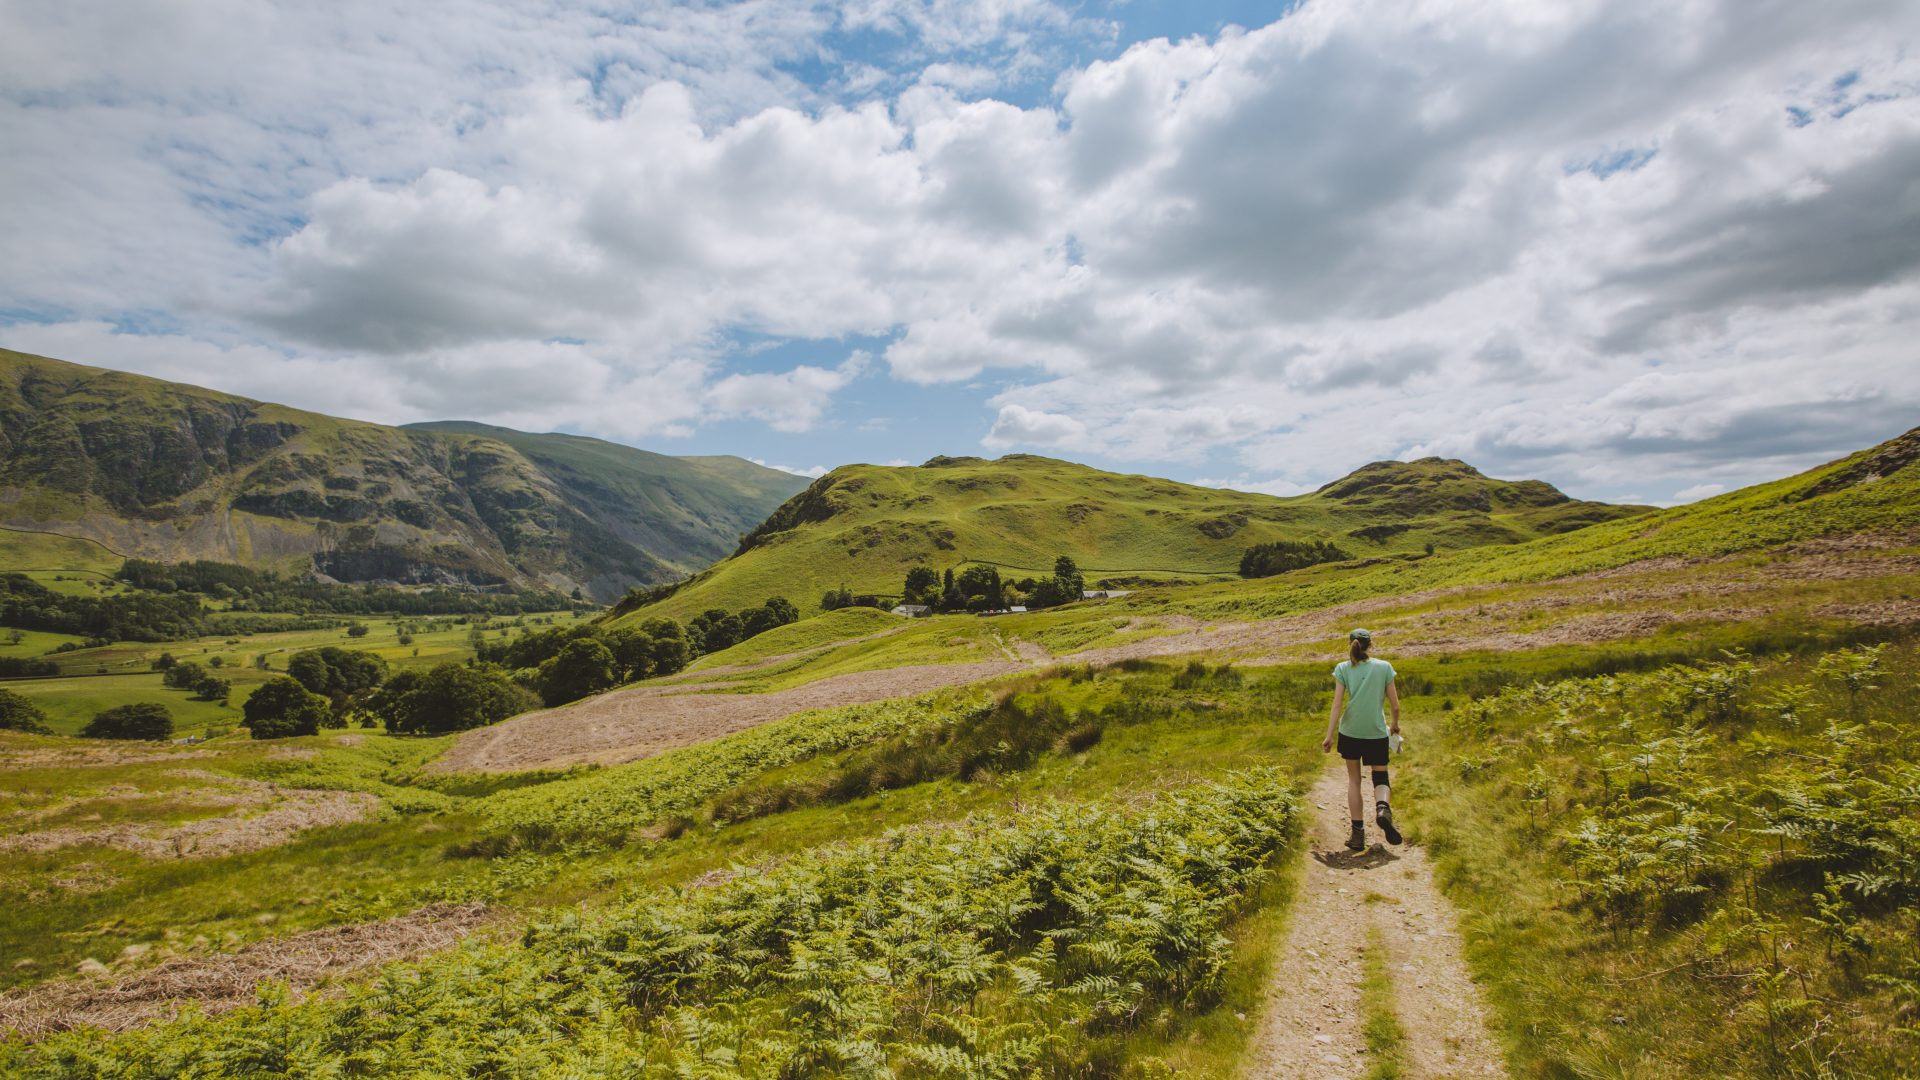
{"points": [[1645, 251]]}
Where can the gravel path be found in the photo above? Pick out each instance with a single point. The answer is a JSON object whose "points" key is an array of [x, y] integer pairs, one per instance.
{"points": [[1311, 1023]]}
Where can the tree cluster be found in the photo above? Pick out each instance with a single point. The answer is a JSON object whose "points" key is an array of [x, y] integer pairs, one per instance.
{"points": [[569, 663], [843, 597], [339, 675], [191, 676], [143, 720], [979, 587], [244, 588], [451, 697], [716, 628], [1280, 556], [134, 616]]}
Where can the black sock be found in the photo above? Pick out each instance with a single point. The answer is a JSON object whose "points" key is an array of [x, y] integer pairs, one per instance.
{"points": [[1358, 824]]}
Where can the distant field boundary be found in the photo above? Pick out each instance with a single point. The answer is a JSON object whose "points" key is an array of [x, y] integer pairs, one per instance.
{"points": [[65, 536], [53, 570], [72, 675], [1097, 570]]}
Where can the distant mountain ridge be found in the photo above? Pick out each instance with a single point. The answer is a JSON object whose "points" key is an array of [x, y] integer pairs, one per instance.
{"points": [[862, 526], [169, 471]]}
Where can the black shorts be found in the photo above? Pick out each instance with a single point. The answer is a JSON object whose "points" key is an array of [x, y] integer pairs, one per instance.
{"points": [[1371, 751]]}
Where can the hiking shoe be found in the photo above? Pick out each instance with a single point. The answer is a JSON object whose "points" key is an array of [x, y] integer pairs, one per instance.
{"points": [[1384, 817], [1357, 840]]}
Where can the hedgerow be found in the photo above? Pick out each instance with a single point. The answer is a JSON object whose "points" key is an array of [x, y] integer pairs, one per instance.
{"points": [[1023, 946]]}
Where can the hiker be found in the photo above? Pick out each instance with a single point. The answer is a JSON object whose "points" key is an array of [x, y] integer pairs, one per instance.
{"points": [[1360, 683]]}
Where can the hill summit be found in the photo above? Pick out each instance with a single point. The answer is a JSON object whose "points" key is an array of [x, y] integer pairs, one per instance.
{"points": [[862, 526]]}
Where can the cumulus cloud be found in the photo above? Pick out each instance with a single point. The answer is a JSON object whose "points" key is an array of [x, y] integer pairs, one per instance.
{"points": [[814, 473], [1590, 241]]}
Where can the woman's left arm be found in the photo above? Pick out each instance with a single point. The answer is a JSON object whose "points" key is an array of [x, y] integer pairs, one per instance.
{"points": [[1393, 699]]}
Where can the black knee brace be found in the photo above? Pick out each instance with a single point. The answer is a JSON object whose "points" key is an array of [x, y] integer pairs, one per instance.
{"points": [[1380, 778]]}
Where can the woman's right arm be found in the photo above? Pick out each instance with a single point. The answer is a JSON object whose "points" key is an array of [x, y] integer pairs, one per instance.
{"points": [[1333, 715]]}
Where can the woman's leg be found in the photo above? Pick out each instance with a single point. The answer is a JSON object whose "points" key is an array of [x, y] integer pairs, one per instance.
{"points": [[1356, 805]]}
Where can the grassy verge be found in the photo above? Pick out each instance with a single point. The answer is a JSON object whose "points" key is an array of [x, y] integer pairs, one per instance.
{"points": [[1379, 1024], [1705, 870]]}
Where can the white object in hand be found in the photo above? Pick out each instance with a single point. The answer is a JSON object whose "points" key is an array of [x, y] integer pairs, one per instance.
{"points": [[1393, 742]]}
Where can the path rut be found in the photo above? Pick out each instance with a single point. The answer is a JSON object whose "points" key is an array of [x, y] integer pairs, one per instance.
{"points": [[1311, 1022]]}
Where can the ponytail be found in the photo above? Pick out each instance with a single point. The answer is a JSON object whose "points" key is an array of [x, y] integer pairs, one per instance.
{"points": [[1357, 650]]}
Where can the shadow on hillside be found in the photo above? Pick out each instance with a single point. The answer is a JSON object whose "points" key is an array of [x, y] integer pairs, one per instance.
{"points": [[1373, 857]]}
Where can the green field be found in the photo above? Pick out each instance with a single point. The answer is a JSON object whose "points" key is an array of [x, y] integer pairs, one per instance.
{"points": [[121, 674]]}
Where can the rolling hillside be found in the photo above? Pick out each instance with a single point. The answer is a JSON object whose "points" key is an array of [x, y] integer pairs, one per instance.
{"points": [[167, 471], [863, 525]]}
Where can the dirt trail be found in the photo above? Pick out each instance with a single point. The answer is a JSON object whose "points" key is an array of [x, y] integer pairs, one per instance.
{"points": [[1311, 1024], [627, 725]]}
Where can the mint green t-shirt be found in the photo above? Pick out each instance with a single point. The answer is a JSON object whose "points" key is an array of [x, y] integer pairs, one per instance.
{"points": [[1364, 716]]}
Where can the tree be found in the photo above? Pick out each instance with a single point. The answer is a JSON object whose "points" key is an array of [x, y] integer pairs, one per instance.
{"points": [[335, 672], [714, 629], [1064, 587], [583, 667], [670, 649], [282, 707], [19, 713], [310, 670], [632, 655], [455, 697], [357, 630], [922, 587], [982, 588], [213, 688], [144, 720], [777, 611], [164, 661], [183, 676]]}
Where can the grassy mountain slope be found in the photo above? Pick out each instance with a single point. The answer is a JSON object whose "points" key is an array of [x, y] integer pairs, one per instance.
{"points": [[864, 525], [168, 471], [686, 511]]}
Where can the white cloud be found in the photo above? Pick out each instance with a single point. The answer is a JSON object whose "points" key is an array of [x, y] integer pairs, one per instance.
{"points": [[1697, 492], [814, 473], [1018, 425], [1592, 241]]}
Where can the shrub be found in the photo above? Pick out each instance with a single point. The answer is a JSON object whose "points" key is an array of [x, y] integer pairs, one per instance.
{"points": [[283, 708], [144, 720]]}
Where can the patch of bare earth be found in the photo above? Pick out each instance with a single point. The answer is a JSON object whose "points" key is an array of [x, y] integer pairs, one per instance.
{"points": [[641, 721], [218, 983], [263, 815], [1311, 1023]]}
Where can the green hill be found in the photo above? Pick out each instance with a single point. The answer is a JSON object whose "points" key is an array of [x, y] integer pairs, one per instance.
{"points": [[862, 526], [168, 471]]}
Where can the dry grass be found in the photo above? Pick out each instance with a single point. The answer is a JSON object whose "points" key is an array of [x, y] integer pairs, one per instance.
{"points": [[218, 983]]}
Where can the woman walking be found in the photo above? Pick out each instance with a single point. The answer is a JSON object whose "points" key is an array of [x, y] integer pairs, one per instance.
{"points": [[1360, 685]]}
